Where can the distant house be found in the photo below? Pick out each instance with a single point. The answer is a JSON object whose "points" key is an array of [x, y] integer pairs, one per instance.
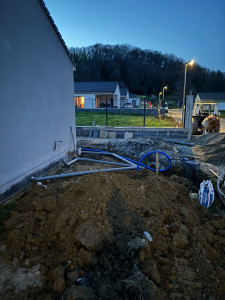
{"points": [[134, 100], [124, 96], [36, 92], [212, 97], [97, 94]]}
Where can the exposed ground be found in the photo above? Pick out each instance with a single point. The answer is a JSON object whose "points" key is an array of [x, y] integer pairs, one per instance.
{"points": [[210, 148], [82, 238]]}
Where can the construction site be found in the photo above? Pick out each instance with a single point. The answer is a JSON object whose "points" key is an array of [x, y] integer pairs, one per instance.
{"points": [[122, 234], [131, 207]]}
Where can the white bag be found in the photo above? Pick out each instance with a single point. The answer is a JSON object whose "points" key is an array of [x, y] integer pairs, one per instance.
{"points": [[206, 193]]}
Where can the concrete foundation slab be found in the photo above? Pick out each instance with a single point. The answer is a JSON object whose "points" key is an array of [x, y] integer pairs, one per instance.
{"points": [[112, 135], [134, 132], [103, 134], [128, 135]]}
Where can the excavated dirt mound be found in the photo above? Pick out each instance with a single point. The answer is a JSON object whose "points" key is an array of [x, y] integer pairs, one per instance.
{"points": [[136, 148], [82, 238], [210, 148]]}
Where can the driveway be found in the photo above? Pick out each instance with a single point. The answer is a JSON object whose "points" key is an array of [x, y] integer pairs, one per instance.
{"points": [[177, 114]]}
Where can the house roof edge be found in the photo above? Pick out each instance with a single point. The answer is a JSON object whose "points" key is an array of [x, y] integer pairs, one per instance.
{"points": [[43, 5]]}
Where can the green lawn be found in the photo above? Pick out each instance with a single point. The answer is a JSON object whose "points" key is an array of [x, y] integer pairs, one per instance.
{"points": [[121, 120], [222, 114]]}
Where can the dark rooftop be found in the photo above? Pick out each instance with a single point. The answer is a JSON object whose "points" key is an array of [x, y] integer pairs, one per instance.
{"points": [[132, 95], [211, 96], [123, 91], [95, 86]]}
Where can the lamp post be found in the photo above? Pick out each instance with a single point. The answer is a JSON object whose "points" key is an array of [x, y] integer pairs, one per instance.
{"points": [[164, 88], [159, 99], [191, 62]]}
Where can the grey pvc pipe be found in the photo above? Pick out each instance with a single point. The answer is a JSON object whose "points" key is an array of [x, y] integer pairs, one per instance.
{"points": [[104, 162], [80, 173], [70, 162], [113, 154], [95, 160], [218, 184], [123, 159], [96, 152]]}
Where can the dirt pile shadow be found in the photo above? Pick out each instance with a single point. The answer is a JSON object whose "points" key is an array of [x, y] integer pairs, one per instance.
{"points": [[118, 274]]}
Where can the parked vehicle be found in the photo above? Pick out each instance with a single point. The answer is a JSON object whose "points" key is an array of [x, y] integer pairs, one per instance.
{"points": [[166, 107], [205, 116], [128, 105]]}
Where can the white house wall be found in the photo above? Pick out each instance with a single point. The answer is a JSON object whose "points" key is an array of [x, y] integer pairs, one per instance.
{"points": [[36, 92], [89, 101], [127, 95], [137, 101], [116, 97], [197, 99], [221, 105]]}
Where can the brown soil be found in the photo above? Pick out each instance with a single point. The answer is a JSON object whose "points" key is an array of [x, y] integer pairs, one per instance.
{"points": [[210, 148], [82, 238]]}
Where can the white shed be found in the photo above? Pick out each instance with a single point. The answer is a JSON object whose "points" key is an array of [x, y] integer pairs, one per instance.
{"points": [[212, 97]]}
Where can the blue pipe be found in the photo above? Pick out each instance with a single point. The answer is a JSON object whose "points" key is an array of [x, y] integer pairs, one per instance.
{"points": [[170, 161], [139, 162]]}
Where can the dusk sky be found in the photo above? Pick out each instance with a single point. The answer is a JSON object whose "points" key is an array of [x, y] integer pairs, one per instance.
{"points": [[189, 29]]}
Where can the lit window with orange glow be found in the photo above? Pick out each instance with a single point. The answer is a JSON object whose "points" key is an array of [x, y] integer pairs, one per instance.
{"points": [[81, 102], [76, 101]]}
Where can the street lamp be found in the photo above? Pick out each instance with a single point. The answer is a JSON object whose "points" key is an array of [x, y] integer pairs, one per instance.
{"points": [[191, 62], [159, 99], [164, 88]]}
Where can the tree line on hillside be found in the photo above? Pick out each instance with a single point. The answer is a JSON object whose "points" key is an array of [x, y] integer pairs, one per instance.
{"points": [[144, 72]]}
